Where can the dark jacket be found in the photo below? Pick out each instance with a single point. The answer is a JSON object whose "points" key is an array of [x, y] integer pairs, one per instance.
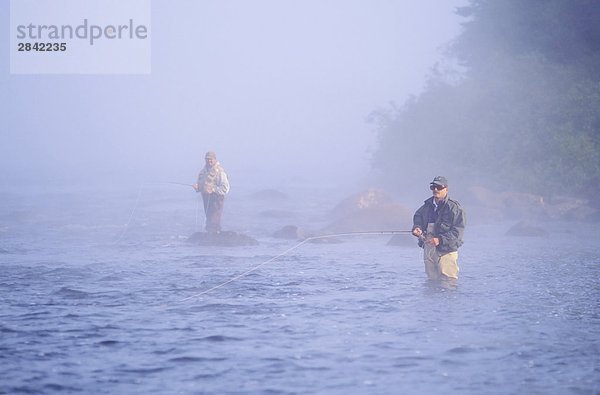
{"points": [[449, 223]]}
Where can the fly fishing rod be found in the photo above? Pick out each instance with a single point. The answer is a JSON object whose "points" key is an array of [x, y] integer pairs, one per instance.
{"points": [[177, 183]]}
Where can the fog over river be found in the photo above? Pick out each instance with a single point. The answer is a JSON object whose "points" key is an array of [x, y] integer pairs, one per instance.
{"points": [[102, 292]]}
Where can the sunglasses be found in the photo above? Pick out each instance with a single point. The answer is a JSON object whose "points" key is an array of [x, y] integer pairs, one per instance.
{"points": [[438, 187]]}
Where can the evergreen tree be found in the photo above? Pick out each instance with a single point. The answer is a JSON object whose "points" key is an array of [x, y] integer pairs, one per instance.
{"points": [[526, 112]]}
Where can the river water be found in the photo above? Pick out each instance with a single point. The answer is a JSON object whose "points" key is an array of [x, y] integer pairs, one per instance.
{"points": [[97, 296]]}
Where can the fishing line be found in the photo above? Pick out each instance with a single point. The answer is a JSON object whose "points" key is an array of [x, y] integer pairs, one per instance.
{"points": [[197, 215], [137, 200], [197, 205], [244, 274]]}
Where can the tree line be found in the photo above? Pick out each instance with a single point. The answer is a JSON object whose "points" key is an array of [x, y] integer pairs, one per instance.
{"points": [[518, 109]]}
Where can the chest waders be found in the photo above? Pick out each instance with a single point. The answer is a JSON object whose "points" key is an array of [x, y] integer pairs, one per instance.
{"points": [[438, 266]]}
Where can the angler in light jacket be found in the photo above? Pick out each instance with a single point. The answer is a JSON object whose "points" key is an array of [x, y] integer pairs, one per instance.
{"points": [[214, 185]]}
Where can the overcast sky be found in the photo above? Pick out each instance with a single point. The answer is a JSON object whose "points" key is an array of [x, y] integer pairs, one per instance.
{"points": [[280, 89]]}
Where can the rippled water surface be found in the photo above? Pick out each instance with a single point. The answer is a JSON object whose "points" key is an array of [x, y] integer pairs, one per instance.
{"points": [[98, 290]]}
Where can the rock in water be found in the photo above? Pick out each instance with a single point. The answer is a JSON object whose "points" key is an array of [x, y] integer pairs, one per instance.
{"points": [[290, 232], [222, 239], [372, 209]]}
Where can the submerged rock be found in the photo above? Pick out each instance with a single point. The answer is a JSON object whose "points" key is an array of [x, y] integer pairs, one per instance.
{"points": [[290, 232], [222, 239]]}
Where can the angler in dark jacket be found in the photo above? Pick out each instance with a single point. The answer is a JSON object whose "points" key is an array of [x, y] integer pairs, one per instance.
{"points": [[439, 224]]}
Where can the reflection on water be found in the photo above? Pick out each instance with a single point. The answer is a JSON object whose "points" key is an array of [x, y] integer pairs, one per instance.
{"points": [[83, 313]]}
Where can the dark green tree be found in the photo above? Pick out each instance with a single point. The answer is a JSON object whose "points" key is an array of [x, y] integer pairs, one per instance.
{"points": [[526, 113]]}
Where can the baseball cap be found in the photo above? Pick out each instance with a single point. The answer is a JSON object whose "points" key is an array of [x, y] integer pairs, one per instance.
{"points": [[440, 180]]}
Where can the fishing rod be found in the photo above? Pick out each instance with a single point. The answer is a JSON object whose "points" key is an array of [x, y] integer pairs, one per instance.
{"points": [[176, 183], [244, 274]]}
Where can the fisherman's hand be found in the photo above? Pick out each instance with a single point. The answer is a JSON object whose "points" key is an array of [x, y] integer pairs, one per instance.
{"points": [[195, 186], [417, 232], [435, 241]]}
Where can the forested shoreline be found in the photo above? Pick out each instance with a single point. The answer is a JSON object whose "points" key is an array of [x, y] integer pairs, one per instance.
{"points": [[519, 110]]}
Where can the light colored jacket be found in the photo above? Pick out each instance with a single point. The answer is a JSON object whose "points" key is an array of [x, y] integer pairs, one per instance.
{"points": [[214, 177]]}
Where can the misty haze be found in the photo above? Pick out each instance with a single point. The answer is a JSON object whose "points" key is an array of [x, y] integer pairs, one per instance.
{"points": [[371, 197]]}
